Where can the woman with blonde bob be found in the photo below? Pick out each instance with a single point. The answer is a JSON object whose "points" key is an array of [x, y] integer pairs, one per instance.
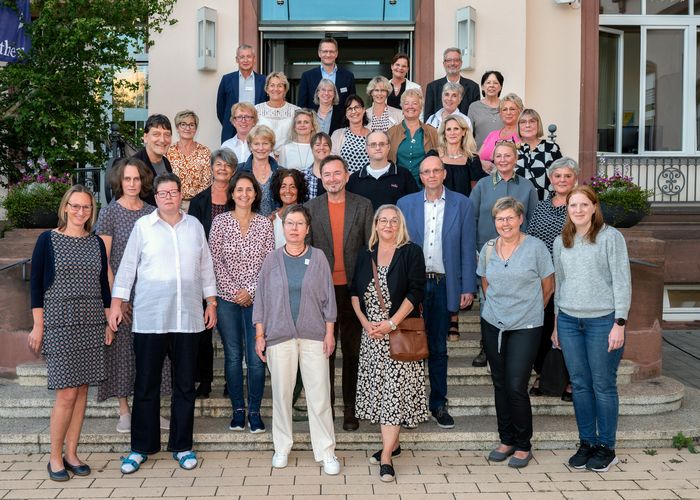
{"points": [[389, 392], [296, 153], [70, 304], [591, 304], [381, 116], [457, 150], [509, 109], [276, 112]]}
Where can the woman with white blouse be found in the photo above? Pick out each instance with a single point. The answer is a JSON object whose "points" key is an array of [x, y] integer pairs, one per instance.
{"points": [[296, 153], [240, 239], [277, 113]]}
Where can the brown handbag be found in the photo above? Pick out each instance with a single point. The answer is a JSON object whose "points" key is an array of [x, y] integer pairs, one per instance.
{"points": [[409, 341]]}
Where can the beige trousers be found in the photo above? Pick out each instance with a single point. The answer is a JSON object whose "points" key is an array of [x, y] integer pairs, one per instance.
{"points": [[283, 360]]}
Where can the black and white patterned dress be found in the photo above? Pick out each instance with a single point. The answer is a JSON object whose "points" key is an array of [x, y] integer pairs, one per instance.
{"points": [[354, 151], [388, 391], [547, 222], [117, 222], [74, 317], [533, 163]]}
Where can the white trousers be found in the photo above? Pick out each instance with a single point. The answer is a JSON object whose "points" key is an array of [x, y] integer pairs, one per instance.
{"points": [[282, 361]]}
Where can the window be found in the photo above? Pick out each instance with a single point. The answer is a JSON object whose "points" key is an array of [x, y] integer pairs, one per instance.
{"points": [[647, 99], [681, 303]]}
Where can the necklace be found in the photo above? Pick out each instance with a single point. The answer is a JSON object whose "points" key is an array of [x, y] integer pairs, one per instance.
{"points": [[294, 255], [502, 254], [454, 157], [306, 157]]}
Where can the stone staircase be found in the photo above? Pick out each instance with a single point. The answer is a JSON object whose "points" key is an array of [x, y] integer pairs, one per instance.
{"points": [[652, 412]]}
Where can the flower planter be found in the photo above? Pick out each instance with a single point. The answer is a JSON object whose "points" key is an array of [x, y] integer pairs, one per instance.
{"points": [[42, 218], [617, 216]]}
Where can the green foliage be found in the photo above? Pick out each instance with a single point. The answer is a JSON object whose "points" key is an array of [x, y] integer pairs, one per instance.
{"points": [[650, 452], [620, 191], [40, 193], [52, 103], [680, 441]]}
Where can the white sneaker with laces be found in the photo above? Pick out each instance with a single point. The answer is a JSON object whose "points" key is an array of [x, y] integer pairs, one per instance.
{"points": [[279, 460], [164, 424], [124, 424], [331, 466]]}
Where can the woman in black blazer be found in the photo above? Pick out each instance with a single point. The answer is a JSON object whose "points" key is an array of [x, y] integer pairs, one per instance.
{"points": [[388, 391], [204, 207]]}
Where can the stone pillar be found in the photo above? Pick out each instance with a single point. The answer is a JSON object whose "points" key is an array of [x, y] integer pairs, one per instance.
{"points": [[643, 331]]}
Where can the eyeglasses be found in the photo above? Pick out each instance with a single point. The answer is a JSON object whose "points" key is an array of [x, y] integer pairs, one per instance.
{"points": [[373, 145], [354, 108], [79, 208], [291, 223], [435, 171], [504, 141], [168, 194], [187, 125], [457, 60], [503, 220], [244, 118], [388, 222]]}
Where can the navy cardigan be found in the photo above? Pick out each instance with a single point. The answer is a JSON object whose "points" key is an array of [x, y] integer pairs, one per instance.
{"points": [[43, 270]]}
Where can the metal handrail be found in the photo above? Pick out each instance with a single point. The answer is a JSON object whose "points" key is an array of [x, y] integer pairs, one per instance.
{"points": [[22, 262]]}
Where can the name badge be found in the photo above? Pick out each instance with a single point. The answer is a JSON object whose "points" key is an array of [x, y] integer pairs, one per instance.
{"points": [[306, 262], [343, 90]]}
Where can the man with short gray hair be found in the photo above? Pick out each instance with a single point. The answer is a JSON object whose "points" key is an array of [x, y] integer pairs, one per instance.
{"points": [[452, 62]]}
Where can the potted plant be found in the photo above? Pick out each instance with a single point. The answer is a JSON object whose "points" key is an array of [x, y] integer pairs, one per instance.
{"points": [[33, 201], [622, 202]]}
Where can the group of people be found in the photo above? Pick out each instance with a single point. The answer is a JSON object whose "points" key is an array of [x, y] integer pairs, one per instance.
{"points": [[298, 237]]}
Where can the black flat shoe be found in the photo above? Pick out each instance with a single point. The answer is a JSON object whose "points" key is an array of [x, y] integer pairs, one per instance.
{"points": [[60, 475], [78, 470], [567, 397], [386, 473]]}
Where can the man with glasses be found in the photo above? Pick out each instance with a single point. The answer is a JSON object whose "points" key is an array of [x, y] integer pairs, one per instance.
{"points": [[442, 223], [343, 79], [452, 62], [168, 252], [381, 181], [244, 116], [341, 223], [244, 85], [157, 137]]}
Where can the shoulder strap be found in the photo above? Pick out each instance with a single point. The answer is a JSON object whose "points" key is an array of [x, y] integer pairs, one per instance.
{"points": [[490, 245], [376, 287]]}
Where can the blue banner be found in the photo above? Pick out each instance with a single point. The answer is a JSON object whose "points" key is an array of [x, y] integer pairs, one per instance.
{"points": [[12, 36]]}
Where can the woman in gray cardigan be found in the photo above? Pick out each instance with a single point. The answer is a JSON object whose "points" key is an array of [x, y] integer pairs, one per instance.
{"points": [[294, 313]]}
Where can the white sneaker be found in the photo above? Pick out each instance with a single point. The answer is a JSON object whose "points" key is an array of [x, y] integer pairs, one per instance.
{"points": [[331, 466], [164, 424], [124, 424], [279, 460]]}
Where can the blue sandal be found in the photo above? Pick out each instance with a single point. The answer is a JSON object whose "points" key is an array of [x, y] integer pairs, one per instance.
{"points": [[185, 458], [131, 462]]}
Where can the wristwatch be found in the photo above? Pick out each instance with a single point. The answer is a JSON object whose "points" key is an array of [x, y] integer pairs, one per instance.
{"points": [[620, 321], [392, 325]]}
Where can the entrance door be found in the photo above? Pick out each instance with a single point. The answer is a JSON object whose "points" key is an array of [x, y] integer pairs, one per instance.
{"points": [[366, 54]]}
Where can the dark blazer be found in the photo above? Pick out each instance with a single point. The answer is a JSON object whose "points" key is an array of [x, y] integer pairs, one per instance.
{"points": [[227, 96], [458, 240], [405, 277], [200, 209], [344, 82], [433, 95], [141, 154], [356, 230]]}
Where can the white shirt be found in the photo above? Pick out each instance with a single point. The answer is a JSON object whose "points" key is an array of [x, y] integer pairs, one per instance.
{"points": [[296, 155], [174, 270], [378, 172], [436, 119], [239, 147], [432, 240]]}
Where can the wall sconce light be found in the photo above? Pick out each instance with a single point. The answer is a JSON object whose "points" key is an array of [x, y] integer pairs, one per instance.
{"points": [[206, 39], [466, 35]]}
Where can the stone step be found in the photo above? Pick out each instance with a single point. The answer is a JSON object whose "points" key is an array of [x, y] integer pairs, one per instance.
{"points": [[31, 435], [459, 372], [639, 398]]}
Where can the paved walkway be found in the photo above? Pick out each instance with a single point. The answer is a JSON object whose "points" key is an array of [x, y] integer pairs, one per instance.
{"points": [[436, 475], [678, 364]]}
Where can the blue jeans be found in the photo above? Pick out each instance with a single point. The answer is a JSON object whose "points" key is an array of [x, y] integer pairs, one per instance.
{"points": [[235, 325], [437, 323], [593, 373]]}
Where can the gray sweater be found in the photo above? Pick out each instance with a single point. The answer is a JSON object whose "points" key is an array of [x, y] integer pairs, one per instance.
{"points": [[316, 308], [593, 280]]}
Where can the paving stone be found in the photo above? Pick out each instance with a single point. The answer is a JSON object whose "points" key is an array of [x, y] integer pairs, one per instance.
{"points": [[666, 484], [172, 491], [557, 486], [452, 488], [610, 485], [347, 489], [587, 495], [85, 492], [647, 494], [507, 487], [688, 494]]}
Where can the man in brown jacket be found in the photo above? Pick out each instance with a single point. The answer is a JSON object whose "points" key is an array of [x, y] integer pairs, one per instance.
{"points": [[341, 223]]}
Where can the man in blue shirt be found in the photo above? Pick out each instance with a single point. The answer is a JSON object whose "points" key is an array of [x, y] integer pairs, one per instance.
{"points": [[244, 85], [344, 80]]}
